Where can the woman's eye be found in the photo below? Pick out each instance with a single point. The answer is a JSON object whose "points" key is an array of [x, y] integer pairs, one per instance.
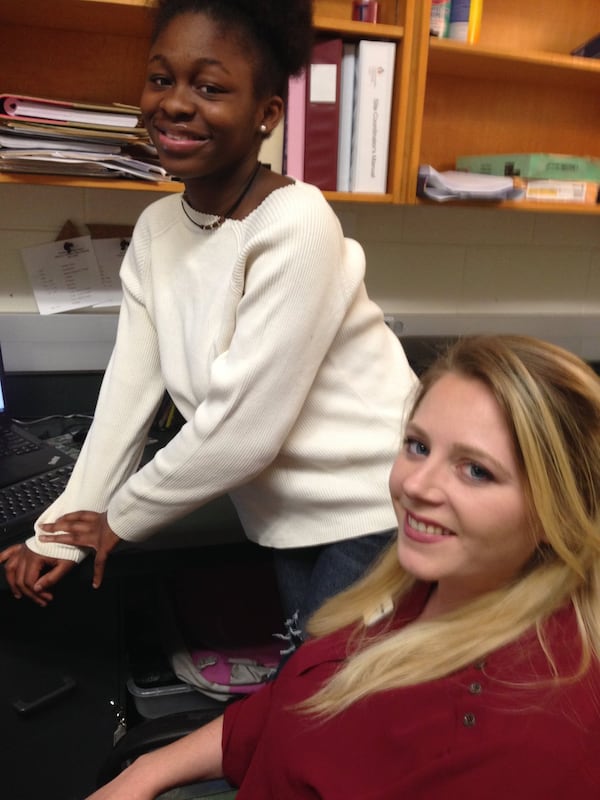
{"points": [[478, 473], [414, 446], [209, 89], [159, 80]]}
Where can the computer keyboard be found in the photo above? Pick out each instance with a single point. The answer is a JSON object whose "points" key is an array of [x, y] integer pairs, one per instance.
{"points": [[21, 503], [13, 444]]}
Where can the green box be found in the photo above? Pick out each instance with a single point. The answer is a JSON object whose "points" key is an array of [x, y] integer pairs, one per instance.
{"points": [[533, 165]]}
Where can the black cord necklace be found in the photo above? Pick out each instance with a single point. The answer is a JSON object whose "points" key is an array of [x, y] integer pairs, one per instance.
{"points": [[222, 217]]}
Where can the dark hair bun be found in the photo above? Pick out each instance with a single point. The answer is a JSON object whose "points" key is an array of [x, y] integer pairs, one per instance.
{"points": [[282, 29]]}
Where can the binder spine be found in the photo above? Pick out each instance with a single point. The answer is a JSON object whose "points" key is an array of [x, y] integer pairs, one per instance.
{"points": [[322, 114]]}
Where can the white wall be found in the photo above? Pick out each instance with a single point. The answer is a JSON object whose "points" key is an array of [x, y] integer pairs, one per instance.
{"points": [[458, 270], [443, 270]]}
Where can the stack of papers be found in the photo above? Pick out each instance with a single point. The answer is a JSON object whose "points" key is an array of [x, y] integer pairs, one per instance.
{"points": [[76, 162], [43, 109], [454, 185], [11, 140], [48, 136]]}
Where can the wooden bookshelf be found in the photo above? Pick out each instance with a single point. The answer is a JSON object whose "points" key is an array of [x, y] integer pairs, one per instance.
{"points": [[517, 90], [95, 51]]}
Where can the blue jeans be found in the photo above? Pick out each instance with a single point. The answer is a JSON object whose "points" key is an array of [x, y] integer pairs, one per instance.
{"points": [[307, 576]]}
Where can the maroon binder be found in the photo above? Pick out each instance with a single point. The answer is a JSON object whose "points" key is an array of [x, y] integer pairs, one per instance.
{"points": [[323, 114]]}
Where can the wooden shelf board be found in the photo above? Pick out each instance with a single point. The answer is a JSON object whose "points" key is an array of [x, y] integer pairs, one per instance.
{"points": [[521, 205], [90, 183], [357, 197], [358, 30], [163, 186], [134, 3], [453, 58], [553, 208]]}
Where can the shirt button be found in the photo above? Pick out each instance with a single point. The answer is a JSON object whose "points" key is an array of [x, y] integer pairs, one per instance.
{"points": [[469, 720], [475, 688]]}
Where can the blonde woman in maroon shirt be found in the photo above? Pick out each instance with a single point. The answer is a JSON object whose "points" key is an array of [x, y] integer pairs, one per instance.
{"points": [[466, 663]]}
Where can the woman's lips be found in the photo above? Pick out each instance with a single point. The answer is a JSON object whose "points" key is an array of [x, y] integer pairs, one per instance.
{"points": [[178, 142], [423, 531]]}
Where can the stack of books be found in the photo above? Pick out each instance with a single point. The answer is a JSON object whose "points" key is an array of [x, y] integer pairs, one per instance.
{"points": [[44, 135], [337, 125], [547, 177]]}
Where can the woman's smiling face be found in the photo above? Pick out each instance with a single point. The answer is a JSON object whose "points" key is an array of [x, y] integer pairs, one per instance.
{"points": [[458, 494], [199, 102]]}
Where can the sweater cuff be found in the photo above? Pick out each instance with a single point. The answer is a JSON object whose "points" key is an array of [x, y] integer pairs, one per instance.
{"points": [[68, 552]]}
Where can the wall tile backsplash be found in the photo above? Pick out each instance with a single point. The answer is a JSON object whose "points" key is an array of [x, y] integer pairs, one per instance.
{"points": [[443, 268]]}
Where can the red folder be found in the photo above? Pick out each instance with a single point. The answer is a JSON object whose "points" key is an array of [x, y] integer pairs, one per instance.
{"points": [[323, 114]]}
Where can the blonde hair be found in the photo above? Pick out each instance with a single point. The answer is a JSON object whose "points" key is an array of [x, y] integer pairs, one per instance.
{"points": [[551, 402]]}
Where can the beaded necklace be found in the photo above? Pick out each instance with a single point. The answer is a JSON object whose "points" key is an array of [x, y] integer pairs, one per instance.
{"points": [[222, 217]]}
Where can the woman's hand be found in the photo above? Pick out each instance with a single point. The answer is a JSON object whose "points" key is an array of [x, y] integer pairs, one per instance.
{"points": [[88, 529], [31, 575]]}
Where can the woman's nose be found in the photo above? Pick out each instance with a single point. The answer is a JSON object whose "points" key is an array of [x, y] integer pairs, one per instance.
{"points": [[424, 481], [177, 102]]}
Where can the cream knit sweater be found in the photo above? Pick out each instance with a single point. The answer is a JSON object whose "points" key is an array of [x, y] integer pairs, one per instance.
{"points": [[292, 387]]}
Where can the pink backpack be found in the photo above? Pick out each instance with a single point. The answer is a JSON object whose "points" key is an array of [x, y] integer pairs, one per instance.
{"points": [[220, 627]]}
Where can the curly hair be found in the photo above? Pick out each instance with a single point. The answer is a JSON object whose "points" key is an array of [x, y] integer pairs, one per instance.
{"points": [[278, 33]]}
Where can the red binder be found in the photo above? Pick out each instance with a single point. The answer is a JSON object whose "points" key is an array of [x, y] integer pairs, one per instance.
{"points": [[323, 114]]}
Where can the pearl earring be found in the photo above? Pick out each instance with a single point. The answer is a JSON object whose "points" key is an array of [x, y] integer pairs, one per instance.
{"points": [[263, 128]]}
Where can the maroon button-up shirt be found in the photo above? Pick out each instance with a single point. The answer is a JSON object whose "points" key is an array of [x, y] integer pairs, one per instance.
{"points": [[470, 734]]}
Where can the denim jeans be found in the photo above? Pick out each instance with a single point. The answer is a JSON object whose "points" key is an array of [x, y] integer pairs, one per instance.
{"points": [[307, 576]]}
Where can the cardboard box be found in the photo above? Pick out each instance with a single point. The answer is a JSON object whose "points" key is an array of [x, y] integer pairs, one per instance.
{"points": [[533, 165], [562, 191]]}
